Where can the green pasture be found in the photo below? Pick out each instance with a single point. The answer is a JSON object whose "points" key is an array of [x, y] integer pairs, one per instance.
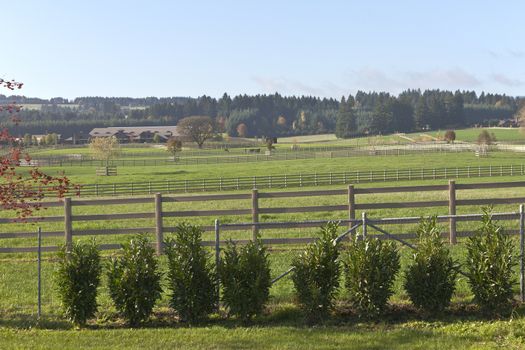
{"points": [[86, 174]]}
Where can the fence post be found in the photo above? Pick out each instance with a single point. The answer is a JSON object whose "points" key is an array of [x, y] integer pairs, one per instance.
{"points": [[255, 213], [158, 223], [351, 204], [522, 252], [68, 224], [217, 257], [39, 268], [452, 211], [363, 218]]}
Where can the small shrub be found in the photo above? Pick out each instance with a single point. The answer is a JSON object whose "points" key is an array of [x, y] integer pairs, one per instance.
{"points": [[431, 276], [134, 280], [191, 276], [489, 266], [370, 268], [77, 279], [245, 277], [316, 275], [450, 136]]}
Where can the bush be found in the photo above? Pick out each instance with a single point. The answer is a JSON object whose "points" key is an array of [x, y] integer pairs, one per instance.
{"points": [[431, 276], [450, 136], [77, 279], [134, 280], [245, 277], [316, 275], [370, 268], [489, 266], [191, 276]]}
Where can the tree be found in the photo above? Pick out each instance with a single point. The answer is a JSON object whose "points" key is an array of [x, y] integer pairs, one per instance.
{"points": [[485, 138], [197, 128], [22, 192], [242, 130], [105, 148], [450, 136], [174, 146], [345, 125], [156, 138], [421, 113]]}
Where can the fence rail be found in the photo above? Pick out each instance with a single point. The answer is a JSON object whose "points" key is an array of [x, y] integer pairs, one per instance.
{"points": [[297, 180], [158, 213], [277, 155]]}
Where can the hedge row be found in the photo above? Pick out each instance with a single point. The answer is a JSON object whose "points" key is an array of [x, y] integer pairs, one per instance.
{"points": [[369, 267]]}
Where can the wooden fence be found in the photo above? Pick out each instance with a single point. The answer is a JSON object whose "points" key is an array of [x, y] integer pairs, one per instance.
{"points": [[157, 214], [297, 180]]}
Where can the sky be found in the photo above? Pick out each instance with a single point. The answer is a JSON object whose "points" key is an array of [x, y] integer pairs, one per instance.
{"points": [[324, 48]]}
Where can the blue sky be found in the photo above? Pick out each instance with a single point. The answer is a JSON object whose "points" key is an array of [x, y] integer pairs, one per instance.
{"points": [[325, 48]]}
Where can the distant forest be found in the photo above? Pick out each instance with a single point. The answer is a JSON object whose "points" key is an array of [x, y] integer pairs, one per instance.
{"points": [[271, 115]]}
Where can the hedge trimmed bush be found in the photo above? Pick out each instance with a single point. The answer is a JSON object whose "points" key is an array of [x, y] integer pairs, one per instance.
{"points": [[134, 280], [431, 276], [316, 275], [489, 266], [192, 280], [245, 277], [370, 267], [77, 279]]}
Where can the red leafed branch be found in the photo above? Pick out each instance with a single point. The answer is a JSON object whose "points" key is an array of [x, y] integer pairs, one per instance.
{"points": [[22, 191]]}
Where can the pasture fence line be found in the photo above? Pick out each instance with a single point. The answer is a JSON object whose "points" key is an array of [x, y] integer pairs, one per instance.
{"points": [[158, 213], [295, 180], [248, 158]]}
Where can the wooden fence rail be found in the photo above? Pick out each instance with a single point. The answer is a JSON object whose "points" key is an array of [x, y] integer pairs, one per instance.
{"points": [[297, 180], [158, 213]]}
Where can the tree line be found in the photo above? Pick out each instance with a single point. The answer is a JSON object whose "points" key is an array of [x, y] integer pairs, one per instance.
{"points": [[270, 115]]}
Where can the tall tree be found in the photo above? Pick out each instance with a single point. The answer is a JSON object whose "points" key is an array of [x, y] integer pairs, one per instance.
{"points": [[197, 128], [345, 126]]}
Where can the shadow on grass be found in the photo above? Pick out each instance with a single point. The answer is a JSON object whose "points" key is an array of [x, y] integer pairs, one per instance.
{"points": [[287, 315]]}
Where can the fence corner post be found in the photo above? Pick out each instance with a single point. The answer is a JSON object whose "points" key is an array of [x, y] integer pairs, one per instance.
{"points": [[255, 213], [68, 224], [452, 211], [159, 234]]}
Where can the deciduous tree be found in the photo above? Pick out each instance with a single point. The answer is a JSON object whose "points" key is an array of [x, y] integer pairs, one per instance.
{"points": [[197, 128], [22, 191]]}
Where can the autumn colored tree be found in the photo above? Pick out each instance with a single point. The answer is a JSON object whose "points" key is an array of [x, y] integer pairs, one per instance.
{"points": [[105, 148], [450, 136], [22, 191], [174, 146], [242, 130]]}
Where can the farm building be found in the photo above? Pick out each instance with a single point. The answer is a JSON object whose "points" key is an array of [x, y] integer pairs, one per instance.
{"points": [[136, 133]]}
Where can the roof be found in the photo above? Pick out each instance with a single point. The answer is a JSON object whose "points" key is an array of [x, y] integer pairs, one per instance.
{"points": [[136, 130]]}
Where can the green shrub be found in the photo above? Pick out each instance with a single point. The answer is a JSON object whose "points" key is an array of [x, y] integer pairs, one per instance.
{"points": [[316, 275], [245, 277], [489, 266], [191, 276], [77, 279], [134, 280], [370, 267], [431, 276]]}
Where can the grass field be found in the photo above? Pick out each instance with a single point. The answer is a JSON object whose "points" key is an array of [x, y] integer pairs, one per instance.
{"points": [[84, 174], [283, 326]]}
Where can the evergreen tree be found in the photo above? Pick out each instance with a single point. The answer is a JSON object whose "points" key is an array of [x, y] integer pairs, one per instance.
{"points": [[345, 126]]}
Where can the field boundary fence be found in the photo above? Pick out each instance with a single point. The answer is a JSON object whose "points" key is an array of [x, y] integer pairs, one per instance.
{"points": [[348, 207], [295, 180], [384, 150]]}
